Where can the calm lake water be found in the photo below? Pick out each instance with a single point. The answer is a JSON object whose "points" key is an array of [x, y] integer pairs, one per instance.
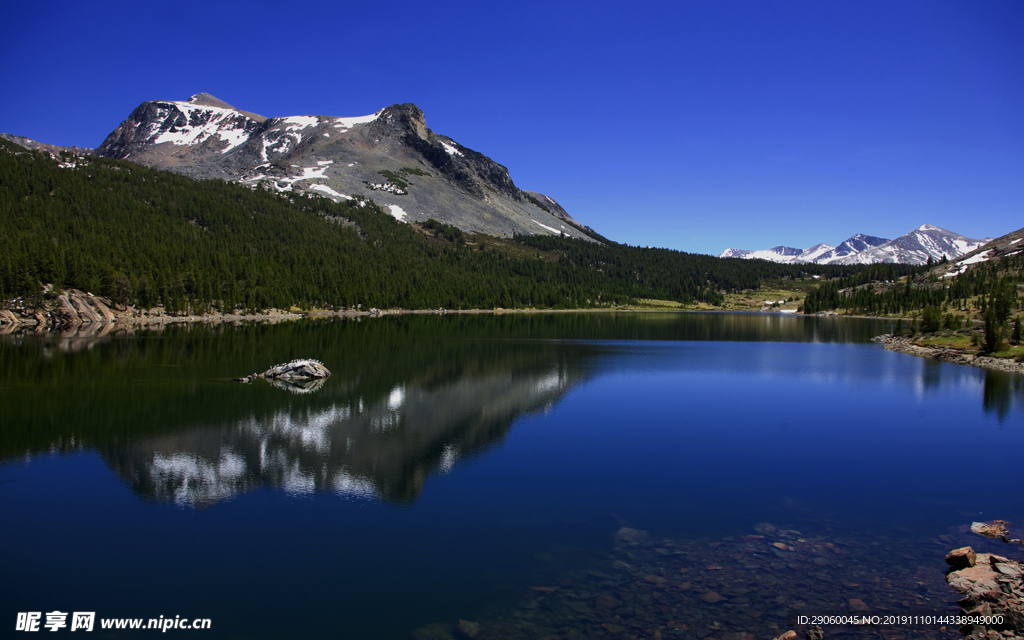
{"points": [[483, 468]]}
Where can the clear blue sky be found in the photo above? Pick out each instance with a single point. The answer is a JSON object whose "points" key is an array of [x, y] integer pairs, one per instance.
{"points": [[693, 124]]}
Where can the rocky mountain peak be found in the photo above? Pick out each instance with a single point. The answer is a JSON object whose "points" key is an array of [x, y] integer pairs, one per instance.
{"points": [[402, 119], [207, 100]]}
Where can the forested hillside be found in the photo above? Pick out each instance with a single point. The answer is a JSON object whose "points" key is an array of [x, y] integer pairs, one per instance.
{"points": [[876, 290], [145, 237], [981, 292]]}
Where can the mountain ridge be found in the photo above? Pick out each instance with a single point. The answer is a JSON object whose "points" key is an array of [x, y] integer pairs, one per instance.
{"points": [[915, 247], [390, 156]]}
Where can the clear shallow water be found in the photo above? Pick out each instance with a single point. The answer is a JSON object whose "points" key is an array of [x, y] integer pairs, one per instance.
{"points": [[452, 463]]}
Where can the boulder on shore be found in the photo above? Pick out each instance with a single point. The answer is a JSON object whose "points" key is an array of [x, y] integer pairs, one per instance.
{"points": [[992, 590]]}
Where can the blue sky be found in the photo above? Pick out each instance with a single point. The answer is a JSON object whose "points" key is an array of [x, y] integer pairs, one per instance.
{"points": [[695, 124]]}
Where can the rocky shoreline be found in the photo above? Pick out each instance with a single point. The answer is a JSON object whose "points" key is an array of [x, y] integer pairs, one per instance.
{"points": [[91, 314], [992, 587], [74, 309], [900, 344]]}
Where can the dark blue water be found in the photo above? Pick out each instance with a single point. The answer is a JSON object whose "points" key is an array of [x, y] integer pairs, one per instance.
{"points": [[450, 465]]}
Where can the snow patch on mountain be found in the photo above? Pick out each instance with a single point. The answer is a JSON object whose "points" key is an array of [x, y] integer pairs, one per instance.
{"points": [[551, 229], [452, 151], [347, 123], [397, 212], [194, 124], [297, 123], [324, 189], [981, 257]]}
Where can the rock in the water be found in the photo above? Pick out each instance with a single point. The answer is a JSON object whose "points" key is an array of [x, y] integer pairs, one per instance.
{"points": [[435, 631], [297, 370], [468, 629], [961, 558], [605, 601], [856, 604], [625, 535]]}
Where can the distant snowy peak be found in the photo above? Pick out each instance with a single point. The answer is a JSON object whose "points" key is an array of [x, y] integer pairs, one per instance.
{"points": [[916, 247], [816, 253], [913, 248], [775, 254], [857, 243]]}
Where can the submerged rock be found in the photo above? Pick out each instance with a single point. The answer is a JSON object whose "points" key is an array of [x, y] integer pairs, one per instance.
{"points": [[625, 535], [435, 631], [468, 628]]}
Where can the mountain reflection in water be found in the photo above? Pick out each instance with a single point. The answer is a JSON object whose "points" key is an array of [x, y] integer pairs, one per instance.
{"points": [[383, 448]]}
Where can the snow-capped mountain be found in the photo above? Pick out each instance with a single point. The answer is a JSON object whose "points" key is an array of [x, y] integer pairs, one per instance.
{"points": [[390, 156], [926, 241], [819, 253], [852, 245], [912, 248], [780, 253]]}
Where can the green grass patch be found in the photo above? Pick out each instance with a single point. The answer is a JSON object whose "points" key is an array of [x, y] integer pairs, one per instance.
{"points": [[395, 179], [1009, 352], [948, 342], [754, 299], [398, 178], [659, 304]]}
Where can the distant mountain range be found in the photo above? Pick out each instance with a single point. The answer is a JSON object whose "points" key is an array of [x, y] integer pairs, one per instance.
{"points": [[390, 156], [916, 247]]}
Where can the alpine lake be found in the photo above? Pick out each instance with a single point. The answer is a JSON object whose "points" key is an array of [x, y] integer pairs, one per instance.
{"points": [[701, 476]]}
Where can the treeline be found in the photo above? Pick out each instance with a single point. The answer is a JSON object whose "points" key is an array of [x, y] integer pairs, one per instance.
{"points": [[145, 237], [664, 274]]}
